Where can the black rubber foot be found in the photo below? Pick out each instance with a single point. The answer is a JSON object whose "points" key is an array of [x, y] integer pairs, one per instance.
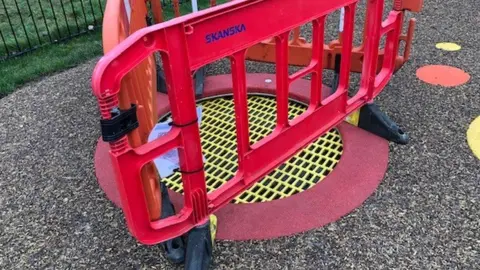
{"points": [[175, 248], [199, 248], [372, 119]]}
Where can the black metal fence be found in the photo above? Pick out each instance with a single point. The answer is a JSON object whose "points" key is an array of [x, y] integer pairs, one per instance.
{"points": [[26, 25]]}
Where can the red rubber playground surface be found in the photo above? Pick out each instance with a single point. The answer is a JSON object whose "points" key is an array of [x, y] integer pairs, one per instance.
{"points": [[423, 215], [356, 176]]}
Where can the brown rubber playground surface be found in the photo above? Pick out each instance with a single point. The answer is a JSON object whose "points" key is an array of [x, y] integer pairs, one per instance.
{"points": [[424, 215]]}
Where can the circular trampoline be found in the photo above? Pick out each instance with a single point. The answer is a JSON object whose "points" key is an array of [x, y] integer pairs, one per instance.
{"points": [[218, 136], [323, 182]]}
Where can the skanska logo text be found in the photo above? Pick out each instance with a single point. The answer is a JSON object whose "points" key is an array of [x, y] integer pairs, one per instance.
{"points": [[231, 31]]}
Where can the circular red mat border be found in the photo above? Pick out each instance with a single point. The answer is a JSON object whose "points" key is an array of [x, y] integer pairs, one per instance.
{"points": [[356, 176]]}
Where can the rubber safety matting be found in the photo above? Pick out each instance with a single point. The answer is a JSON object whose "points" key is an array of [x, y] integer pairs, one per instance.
{"points": [[218, 136]]}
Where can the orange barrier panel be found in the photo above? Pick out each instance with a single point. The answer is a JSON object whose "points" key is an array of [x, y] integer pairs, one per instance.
{"points": [[300, 51], [411, 5], [121, 19]]}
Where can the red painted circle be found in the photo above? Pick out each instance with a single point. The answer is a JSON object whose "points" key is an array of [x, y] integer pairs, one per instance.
{"points": [[443, 75], [356, 176]]}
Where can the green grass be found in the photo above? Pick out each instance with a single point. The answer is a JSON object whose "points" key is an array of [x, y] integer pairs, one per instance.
{"points": [[52, 58], [49, 59], [37, 22], [186, 7]]}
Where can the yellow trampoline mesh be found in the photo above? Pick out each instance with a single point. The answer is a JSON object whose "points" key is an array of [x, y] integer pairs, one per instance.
{"points": [[218, 137]]}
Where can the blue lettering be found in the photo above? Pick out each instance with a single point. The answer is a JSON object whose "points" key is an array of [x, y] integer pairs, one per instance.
{"points": [[228, 32], [225, 33], [240, 28]]}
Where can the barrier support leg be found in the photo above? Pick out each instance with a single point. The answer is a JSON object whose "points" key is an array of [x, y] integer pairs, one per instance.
{"points": [[199, 248], [372, 119], [175, 248]]}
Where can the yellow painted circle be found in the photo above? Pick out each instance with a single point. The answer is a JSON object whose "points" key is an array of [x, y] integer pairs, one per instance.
{"points": [[473, 137], [448, 46]]}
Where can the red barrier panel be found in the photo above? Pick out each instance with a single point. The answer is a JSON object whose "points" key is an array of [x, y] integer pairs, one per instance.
{"points": [[190, 42]]}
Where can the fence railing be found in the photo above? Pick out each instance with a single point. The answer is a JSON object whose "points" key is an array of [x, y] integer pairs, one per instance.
{"points": [[26, 25]]}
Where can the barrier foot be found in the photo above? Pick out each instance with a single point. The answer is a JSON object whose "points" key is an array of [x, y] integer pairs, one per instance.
{"points": [[199, 247], [372, 119], [175, 248]]}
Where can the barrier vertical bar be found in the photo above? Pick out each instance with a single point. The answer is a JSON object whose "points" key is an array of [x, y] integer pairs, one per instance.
{"points": [[374, 18], [176, 8], [281, 52], [392, 28], [318, 37], [240, 105], [409, 38], [296, 39], [347, 37], [184, 116], [391, 46]]}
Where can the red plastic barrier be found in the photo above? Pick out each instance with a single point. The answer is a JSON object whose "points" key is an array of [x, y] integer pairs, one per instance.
{"points": [[192, 41]]}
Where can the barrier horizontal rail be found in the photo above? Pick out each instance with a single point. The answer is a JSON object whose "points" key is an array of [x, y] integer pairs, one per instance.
{"points": [[300, 50], [186, 44]]}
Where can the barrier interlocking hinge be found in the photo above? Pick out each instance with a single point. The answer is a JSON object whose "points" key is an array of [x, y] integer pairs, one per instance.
{"points": [[121, 123]]}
